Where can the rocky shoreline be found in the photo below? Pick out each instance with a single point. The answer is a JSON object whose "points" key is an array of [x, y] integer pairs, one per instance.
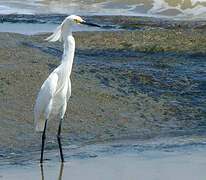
{"points": [[109, 22]]}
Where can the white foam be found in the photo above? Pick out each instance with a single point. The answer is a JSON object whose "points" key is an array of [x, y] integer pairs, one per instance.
{"points": [[197, 12], [197, 1], [194, 9]]}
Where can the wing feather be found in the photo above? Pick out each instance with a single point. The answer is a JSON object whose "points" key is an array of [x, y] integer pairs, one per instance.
{"points": [[46, 92]]}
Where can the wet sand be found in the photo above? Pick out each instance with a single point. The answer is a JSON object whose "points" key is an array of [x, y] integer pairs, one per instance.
{"points": [[101, 107]]}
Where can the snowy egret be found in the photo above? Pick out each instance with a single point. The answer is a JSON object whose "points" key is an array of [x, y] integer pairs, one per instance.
{"points": [[56, 89]]}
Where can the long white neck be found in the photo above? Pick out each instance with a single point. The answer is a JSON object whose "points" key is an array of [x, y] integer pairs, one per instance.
{"points": [[68, 55]]}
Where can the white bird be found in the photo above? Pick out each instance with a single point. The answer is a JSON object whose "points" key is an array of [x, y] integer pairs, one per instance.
{"points": [[56, 89]]}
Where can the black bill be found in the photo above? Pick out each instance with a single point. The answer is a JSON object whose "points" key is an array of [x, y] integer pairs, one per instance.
{"points": [[90, 24]]}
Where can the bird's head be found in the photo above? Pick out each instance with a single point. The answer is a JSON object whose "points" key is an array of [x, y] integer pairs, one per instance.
{"points": [[66, 27], [73, 20]]}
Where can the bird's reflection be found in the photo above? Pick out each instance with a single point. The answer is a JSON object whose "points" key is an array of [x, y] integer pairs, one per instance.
{"points": [[60, 171], [42, 171]]}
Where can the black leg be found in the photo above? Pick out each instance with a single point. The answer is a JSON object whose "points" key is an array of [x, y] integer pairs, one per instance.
{"points": [[59, 140], [43, 141]]}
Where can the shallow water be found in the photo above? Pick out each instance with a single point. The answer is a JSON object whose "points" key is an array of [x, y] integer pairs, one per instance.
{"points": [[157, 159], [179, 9]]}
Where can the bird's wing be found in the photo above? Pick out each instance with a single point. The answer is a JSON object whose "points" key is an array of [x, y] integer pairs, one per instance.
{"points": [[46, 92], [69, 89]]}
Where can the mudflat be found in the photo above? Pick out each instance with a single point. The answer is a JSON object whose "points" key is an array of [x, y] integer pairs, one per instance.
{"points": [[135, 85]]}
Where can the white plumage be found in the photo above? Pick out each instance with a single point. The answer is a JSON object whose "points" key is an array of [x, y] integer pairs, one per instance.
{"points": [[56, 90]]}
